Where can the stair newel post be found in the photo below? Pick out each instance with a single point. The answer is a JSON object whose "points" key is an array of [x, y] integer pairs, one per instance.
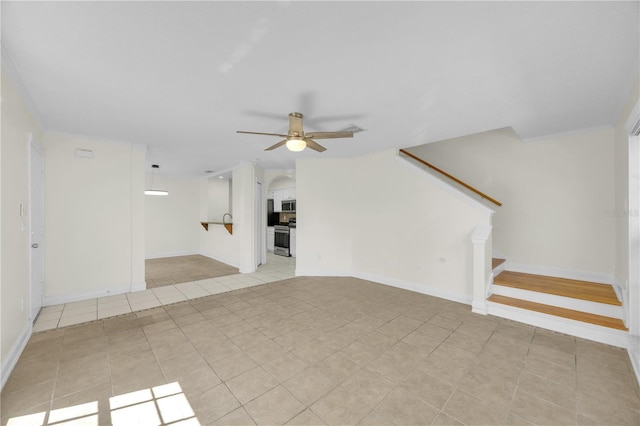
{"points": [[482, 252]]}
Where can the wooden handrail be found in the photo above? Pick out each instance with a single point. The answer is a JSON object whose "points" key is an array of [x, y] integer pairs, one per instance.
{"points": [[453, 178]]}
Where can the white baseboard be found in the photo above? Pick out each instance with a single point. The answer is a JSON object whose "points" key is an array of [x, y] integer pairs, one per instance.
{"points": [[479, 307], [415, 286], [93, 294], [172, 254], [498, 254], [497, 270], [603, 309], [301, 272], [580, 329], [553, 271], [634, 355], [220, 259], [10, 361], [139, 286], [421, 288]]}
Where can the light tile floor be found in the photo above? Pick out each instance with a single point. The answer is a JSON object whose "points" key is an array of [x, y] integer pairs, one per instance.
{"points": [[315, 351], [276, 268]]}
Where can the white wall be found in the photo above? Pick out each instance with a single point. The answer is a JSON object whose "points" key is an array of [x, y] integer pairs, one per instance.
{"points": [[622, 188], [324, 200], [17, 124], [243, 183], [278, 179], [218, 197], [556, 193], [389, 222], [238, 249], [94, 219], [216, 243], [408, 229], [172, 222], [282, 183]]}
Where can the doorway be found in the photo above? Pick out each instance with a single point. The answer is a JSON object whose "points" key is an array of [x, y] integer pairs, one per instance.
{"points": [[633, 209], [36, 227], [260, 254], [632, 310]]}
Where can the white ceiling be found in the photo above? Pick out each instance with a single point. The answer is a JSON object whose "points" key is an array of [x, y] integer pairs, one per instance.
{"points": [[182, 77]]}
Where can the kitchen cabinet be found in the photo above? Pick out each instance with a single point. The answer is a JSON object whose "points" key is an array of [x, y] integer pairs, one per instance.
{"points": [[270, 238], [271, 194], [281, 194], [277, 201], [289, 194], [292, 242]]}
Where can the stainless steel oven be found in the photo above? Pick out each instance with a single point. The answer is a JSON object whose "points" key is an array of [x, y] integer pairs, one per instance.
{"points": [[281, 240]]}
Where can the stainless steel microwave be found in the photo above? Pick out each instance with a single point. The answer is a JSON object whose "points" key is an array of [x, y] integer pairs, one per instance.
{"points": [[288, 206]]}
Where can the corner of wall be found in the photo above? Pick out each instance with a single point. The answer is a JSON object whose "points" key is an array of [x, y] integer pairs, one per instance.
{"points": [[11, 359]]}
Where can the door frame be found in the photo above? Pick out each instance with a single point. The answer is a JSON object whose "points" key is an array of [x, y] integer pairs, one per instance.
{"points": [[35, 148], [259, 247], [633, 212]]}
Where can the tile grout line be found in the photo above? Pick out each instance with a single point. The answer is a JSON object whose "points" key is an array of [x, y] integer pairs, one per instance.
{"points": [[227, 289]]}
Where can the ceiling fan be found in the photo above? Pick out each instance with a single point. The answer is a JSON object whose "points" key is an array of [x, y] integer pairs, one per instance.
{"points": [[297, 140]]}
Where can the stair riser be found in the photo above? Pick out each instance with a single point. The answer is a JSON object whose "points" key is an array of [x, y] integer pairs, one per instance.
{"points": [[596, 308], [499, 269], [580, 329]]}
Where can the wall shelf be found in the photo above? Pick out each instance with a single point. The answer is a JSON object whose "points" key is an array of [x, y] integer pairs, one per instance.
{"points": [[228, 226]]}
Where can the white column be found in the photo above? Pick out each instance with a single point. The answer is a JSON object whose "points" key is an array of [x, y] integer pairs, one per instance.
{"points": [[138, 152], [481, 239]]}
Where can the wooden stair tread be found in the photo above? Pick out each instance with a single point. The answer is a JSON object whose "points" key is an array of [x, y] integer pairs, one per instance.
{"points": [[560, 312], [495, 262], [584, 290]]}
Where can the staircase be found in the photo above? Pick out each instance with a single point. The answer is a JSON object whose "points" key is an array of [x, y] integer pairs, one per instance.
{"points": [[580, 308]]}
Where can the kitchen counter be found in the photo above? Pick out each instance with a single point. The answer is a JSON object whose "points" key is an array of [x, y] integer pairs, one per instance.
{"points": [[228, 226]]}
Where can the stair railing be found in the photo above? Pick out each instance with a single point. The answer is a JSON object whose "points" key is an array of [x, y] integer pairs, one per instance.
{"points": [[453, 178]]}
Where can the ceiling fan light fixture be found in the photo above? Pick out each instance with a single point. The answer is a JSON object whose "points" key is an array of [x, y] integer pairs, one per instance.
{"points": [[296, 144], [155, 192]]}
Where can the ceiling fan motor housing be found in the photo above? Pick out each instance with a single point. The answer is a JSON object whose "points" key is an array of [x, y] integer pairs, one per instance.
{"points": [[297, 140]]}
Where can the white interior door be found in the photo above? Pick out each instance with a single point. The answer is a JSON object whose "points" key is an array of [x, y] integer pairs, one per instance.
{"points": [[36, 219]]}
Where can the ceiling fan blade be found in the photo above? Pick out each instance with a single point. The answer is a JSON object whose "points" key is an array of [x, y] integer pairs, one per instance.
{"points": [[264, 114], [329, 135], [352, 128], [328, 118], [261, 133], [295, 124], [279, 144], [314, 145]]}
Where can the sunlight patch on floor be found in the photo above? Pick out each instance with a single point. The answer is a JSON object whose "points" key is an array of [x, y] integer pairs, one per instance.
{"points": [[160, 405]]}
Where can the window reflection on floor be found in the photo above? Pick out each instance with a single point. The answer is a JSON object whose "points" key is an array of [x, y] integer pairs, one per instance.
{"points": [[160, 405]]}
